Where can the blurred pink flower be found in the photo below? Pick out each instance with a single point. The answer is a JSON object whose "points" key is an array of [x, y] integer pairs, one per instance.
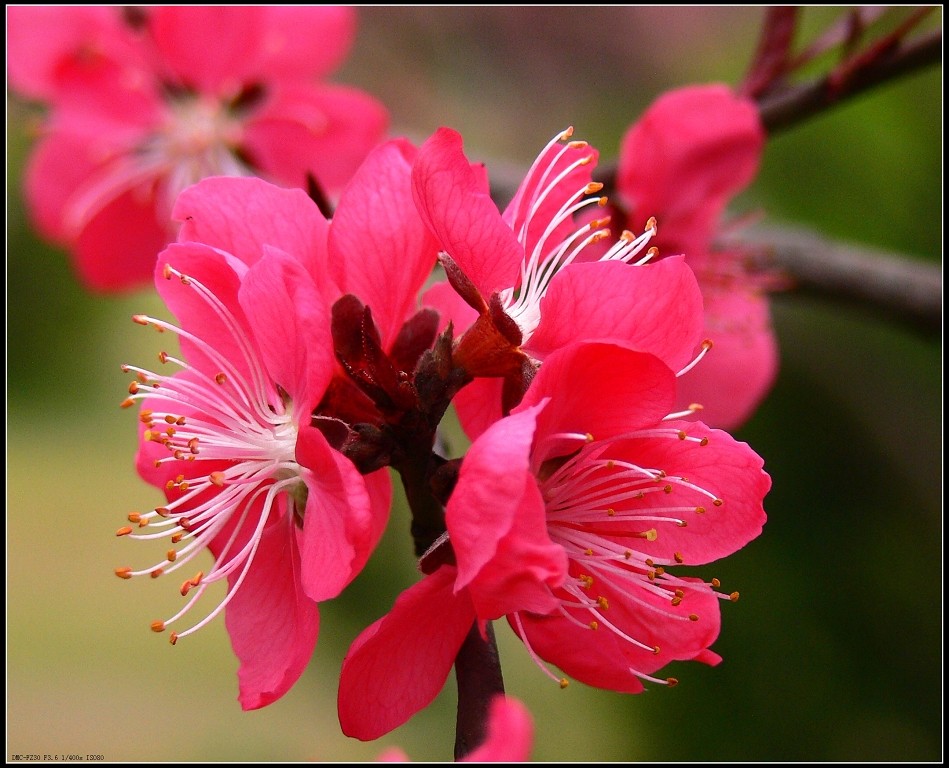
{"points": [[681, 163], [241, 437], [567, 518], [540, 276], [510, 734], [145, 101]]}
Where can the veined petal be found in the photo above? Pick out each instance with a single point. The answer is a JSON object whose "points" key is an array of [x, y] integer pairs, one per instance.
{"points": [[496, 522], [455, 202], [380, 250], [398, 665], [272, 624], [291, 325], [241, 215], [654, 308], [339, 532], [598, 389]]}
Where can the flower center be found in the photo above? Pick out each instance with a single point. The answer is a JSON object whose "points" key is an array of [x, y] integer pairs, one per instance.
{"points": [[231, 436], [605, 512]]}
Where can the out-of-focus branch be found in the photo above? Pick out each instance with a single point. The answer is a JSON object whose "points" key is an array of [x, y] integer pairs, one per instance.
{"points": [[892, 285], [785, 108]]}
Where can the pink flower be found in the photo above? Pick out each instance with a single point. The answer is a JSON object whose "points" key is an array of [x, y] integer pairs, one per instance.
{"points": [[145, 102], [538, 277], [242, 437], [568, 518], [510, 733], [681, 162]]}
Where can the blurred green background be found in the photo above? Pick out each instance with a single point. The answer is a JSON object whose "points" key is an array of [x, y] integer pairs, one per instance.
{"points": [[834, 651]]}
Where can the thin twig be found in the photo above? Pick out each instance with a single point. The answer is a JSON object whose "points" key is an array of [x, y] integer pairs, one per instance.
{"points": [[890, 285], [478, 672]]}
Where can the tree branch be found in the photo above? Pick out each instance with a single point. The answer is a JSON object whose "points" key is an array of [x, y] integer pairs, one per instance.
{"points": [[892, 285], [784, 109], [478, 672]]}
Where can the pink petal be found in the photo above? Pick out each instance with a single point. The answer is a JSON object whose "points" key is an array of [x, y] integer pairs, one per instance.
{"points": [[478, 405], [41, 38], [241, 215], [211, 48], [273, 625], [118, 246], [455, 202], [496, 521], [324, 130], [655, 308], [450, 306], [380, 249], [340, 528], [306, 41], [222, 277], [398, 665], [55, 171], [739, 370], [291, 323], [510, 734], [599, 389], [725, 468], [689, 153]]}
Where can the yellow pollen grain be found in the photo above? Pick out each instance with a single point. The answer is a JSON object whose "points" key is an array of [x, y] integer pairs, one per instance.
{"points": [[716, 583], [158, 626], [220, 379], [676, 601], [603, 602], [611, 512], [678, 557], [564, 683], [124, 573], [156, 573], [681, 435], [680, 593], [588, 552], [176, 537], [592, 188], [173, 638], [672, 682], [652, 252], [718, 502], [162, 512], [133, 388], [196, 579], [579, 144], [693, 617], [186, 587], [163, 357], [134, 517], [651, 535], [651, 224], [217, 478], [703, 441], [128, 402], [650, 562], [655, 650], [166, 271], [140, 319], [594, 625], [733, 597], [660, 571], [700, 510], [124, 531], [667, 489], [172, 555]]}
